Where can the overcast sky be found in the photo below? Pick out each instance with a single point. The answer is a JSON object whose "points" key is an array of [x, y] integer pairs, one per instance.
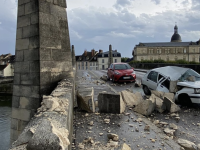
{"points": [[122, 23]]}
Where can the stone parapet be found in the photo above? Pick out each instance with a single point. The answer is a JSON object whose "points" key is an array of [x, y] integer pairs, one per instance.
{"points": [[52, 126]]}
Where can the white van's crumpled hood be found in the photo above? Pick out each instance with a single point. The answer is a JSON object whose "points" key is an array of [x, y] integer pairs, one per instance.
{"points": [[195, 84]]}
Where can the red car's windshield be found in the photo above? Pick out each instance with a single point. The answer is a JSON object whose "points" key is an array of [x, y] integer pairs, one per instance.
{"points": [[122, 67]]}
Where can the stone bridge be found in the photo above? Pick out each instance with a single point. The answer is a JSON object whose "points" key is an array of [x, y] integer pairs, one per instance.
{"points": [[41, 116]]}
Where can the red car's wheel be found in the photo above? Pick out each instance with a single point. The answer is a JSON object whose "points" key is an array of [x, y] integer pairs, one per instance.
{"points": [[113, 79]]}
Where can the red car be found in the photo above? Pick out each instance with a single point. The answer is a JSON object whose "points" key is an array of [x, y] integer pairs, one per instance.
{"points": [[121, 72]]}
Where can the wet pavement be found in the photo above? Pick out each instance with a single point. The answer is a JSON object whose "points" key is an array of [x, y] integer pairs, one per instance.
{"points": [[127, 126]]}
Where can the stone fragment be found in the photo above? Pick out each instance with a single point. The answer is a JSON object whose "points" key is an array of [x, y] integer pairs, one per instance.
{"points": [[160, 106], [156, 122], [100, 134], [125, 147], [170, 105], [110, 103], [107, 121], [146, 107], [131, 99], [187, 144], [81, 146], [104, 78], [147, 128], [169, 131], [138, 83], [113, 136], [173, 86], [173, 126], [112, 144], [85, 99]]}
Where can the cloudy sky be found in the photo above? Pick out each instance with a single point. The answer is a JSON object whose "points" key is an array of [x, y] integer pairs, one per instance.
{"points": [[122, 23]]}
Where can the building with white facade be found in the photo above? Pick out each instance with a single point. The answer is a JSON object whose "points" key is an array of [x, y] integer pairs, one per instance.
{"points": [[104, 57]]}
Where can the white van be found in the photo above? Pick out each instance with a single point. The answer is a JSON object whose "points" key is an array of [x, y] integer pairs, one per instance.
{"points": [[183, 82]]}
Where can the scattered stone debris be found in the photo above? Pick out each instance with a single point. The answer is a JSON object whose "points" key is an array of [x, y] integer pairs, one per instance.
{"points": [[131, 99], [104, 77], [187, 145], [113, 136], [125, 147], [85, 99], [107, 121], [147, 128], [138, 83]]}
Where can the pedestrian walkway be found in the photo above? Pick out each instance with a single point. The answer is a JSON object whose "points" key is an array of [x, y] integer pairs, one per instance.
{"points": [[129, 126]]}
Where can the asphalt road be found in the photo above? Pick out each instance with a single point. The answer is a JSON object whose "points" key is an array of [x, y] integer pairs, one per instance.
{"points": [[188, 125]]}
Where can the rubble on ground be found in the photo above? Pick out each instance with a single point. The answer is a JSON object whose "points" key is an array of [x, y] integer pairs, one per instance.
{"points": [[138, 83], [104, 78], [85, 99], [131, 99], [187, 145]]}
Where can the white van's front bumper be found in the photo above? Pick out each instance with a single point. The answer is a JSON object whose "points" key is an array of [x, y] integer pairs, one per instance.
{"points": [[195, 98]]}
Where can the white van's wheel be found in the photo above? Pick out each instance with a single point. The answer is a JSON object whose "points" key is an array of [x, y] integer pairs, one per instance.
{"points": [[184, 100]]}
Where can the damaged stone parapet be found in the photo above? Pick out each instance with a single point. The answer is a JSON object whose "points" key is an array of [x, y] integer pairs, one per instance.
{"points": [[52, 126]]}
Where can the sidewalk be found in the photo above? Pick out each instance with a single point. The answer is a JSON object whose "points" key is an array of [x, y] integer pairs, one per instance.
{"points": [[129, 126]]}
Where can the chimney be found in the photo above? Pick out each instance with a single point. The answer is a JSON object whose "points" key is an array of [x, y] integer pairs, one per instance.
{"points": [[100, 51], [93, 52], [85, 53]]}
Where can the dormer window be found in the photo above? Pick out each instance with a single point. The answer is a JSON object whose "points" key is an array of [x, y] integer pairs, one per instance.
{"points": [[87, 58], [80, 58], [102, 55]]}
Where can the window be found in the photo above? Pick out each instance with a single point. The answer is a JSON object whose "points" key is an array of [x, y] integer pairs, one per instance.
{"points": [[103, 67], [82, 63], [166, 83], [115, 60], [167, 58], [176, 58], [86, 63], [102, 60], [184, 50], [93, 63], [153, 76]]}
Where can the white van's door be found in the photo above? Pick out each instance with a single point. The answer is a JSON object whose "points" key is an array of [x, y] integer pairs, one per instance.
{"points": [[163, 85]]}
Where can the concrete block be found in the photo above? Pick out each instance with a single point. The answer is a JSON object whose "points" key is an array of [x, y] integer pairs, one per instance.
{"points": [[19, 56], [45, 54], [58, 55], [109, 103], [53, 66], [21, 2], [32, 78], [35, 18], [30, 31], [14, 134], [58, 11], [29, 103], [15, 101], [22, 44], [34, 42], [21, 10], [23, 21], [45, 30], [28, 91], [44, 7], [45, 78], [85, 99], [19, 33], [31, 7], [21, 67], [17, 78], [44, 18], [21, 114], [31, 55], [34, 66]]}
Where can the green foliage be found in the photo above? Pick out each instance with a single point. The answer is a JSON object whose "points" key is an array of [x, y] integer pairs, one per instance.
{"points": [[123, 59]]}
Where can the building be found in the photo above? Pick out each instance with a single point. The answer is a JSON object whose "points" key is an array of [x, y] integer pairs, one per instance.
{"points": [[103, 59], [168, 51], [7, 65], [96, 60], [87, 61]]}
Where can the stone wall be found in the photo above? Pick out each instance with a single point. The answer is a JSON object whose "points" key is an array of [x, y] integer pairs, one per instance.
{"points": [[52, 126], [43, 57]]}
